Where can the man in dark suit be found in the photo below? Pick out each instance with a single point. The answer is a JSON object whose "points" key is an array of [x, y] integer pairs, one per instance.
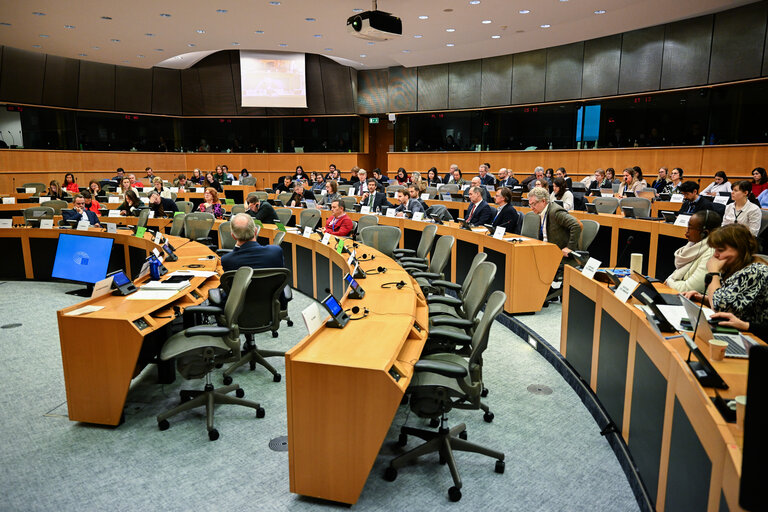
{"points": [[261, 210], [479, 212], [406, 203], [373, 198], [693, 201], [250, 253], [80, 212], [506, 179], [476, 182], [485, 178], [506, 215], [360, 186], [163, 207], [557, 225]]}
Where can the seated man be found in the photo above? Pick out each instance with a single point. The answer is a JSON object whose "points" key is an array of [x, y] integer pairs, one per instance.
{"points": [[406, 203], [250, 253], [90, 203], [360, 185], [300, 194], [261, 210], [485, 178], [338, 223], [163, 207], [181, 182], [135, 183], [80, 212], [557, 225], [476, 182], [506, 215], [693, 201], [373, 198], [415, 193], [479, 212], [691, 259], [383, 180], [506, 178]]}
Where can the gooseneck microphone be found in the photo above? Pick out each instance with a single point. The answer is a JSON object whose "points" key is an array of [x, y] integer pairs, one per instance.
{"points": [[624, 251]]}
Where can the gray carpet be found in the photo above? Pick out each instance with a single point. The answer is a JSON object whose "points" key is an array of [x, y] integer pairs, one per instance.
{"points": [[555, 456]]}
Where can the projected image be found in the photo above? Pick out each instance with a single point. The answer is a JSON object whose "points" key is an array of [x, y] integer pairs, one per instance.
{"points": [[272, 79]]}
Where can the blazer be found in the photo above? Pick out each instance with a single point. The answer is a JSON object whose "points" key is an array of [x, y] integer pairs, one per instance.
{"points": [[483, 193], [508, 217], [413, 205], [169, 207], [266, 214], [253, 254], [689, 208], [488, 180], [379, 201], [359, 188], [563, 229], [481, 214], [342, 226], [73, 215], [509, 182]]}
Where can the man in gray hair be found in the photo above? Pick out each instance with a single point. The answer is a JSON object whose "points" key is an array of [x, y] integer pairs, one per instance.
{"points": [[557, 225]]}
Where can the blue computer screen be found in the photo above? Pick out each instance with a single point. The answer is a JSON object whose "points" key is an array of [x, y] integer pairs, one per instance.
{"points": [[332, 305], [82, 258]]}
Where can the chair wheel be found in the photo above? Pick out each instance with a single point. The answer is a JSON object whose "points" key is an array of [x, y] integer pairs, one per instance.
{"points": [[499, 467], [277, 377], [454, 494], [239, 393], [274, 334], [434, 423], [227, 380], [213, 434], [484, 392], [289, 322], [163, 425], [463, 435], [402, 440], [390, 474], [488, 417], [260, 412]]}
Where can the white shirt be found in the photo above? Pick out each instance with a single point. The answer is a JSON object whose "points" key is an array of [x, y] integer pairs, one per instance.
{"points": [[750, 216], [567, 199], [543, 216], [713, 188]]}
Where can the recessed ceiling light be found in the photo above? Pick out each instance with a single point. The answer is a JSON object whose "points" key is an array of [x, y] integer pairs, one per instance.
{"points": [[486, 22], [69, 26], [274, 3], [357, 10], [115, 40], [310, 19], [200, 31], [370, 43], [474, 2], [159, 50], [149, 35], [362, 55], [409, 51], [235, 43], [318, 35], [5, 24], [106, 17], [601, 11], [524, 11], [546, 25], [423, 17], [191, 45], [125, 62], [328, 50], [418, 36], [495, 37], [221, 11], [258, 32], [282, 45], [449, 44], [82, 54], [36, 46], [165, 15], [44, 36], [95, 48], [450, 30], [140, 56], [36, 13]]}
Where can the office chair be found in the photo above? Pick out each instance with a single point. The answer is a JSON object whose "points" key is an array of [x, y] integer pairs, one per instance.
{"points": [[344, 190], [419, 255], [641, 205], [278, 239], [40, 188], [432, 191], [589, 229], [606, 204], [177, 226], [441, 382], [185, 206], [263, 196], [284, 214], [309, 218], [440, 304], [449, 188], [261, 312], [437, 264], [248, 181], [285, 197], [363, 222], [392, 189], [143, 218], [382, 238], [226, 242], [197, 227], [349, 203], [199, 349], [531, 225], [440, 211], [238, 208], [763, 222], [33, 215]]}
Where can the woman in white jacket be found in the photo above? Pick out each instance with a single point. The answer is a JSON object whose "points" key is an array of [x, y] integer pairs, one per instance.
{"points": [[691, 259]]}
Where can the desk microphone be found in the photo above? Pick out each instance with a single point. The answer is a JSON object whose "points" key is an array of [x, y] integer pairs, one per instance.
{"points": [[624, 251]]}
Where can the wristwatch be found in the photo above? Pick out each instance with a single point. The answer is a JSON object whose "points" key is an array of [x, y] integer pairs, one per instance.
{"points": [[712, 274]]}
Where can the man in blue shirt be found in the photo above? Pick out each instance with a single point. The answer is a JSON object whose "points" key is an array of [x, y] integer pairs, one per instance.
{"points": [[80, 212]]}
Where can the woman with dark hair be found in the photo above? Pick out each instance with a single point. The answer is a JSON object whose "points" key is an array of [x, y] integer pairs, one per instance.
{"points": [[721, 184], [285, 185], [675, 180], [610, 175], [561, 173], [631, 183], [299, 175], [211, 202], [219, 175], [744, 209], [760, 180], [69, 183], [244, 174], [549, 175], [95, 188], [131, 204], [433, 179], [739, 278], [561, 193], [55, 191], [402, 177], [331, 193], [212, 182], [639, 177]]}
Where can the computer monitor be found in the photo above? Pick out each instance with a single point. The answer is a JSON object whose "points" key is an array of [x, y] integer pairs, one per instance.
{"points": [[355, 290], [82, 259]]}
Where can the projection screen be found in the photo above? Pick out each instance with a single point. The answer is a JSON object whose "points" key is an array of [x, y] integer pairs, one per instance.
{"points": [[273, 79]]}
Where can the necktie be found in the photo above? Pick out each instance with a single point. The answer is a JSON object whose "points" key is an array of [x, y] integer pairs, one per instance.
{"points": [[471, 211], [541, 228], [370, 201]]}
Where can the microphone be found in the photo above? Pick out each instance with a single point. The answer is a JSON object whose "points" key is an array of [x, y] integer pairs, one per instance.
{"points": [[13, 140], [623, 252]]}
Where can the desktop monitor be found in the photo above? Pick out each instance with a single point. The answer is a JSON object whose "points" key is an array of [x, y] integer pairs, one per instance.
{"points": [[82, 259]]}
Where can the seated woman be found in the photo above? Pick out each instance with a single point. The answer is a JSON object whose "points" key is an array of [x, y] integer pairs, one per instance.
{"points": [[244, 174], [299, 174], [745, 208], [560, 172], [759, 180], [560, 193], [739, 278], [69, 183], [691, 259], [610, 175], [674, 182], [211, 203], [631, 183], [131, 205], [56, 192], [433, 179], [661, 181], [125, 185], [332, 193], [300, 194], [402, 177], [94, 187], [157, 182], [212, 182], [90, 202], [599, 181], [285, 185], [197, 177], [721, 184]]}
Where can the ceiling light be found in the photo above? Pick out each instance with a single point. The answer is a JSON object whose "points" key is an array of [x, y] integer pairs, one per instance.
{"points": [[258, 32], [5, 24], [200, 31], [69, 26], [95, 48], [524, 11], [418, 36], [191, 45], [221, 11], [357, 10], [36, 46], [140, 56], [115, 40], [165, 15], [485, 22], [235, 43], [44, 36], [125, 62], [370, 43], [106, 17], [36, 13], [318, 35], [149, 35], [82, 54], [328, 50], [283, 45], [449, 44], [474, 2], [495, 37], [423, 17], [274, 3], [601, 11], [546, 25], [362, 55], [409, 51], [310, 19], [450, 30]]}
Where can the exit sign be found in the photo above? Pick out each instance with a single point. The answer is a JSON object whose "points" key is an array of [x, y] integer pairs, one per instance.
{"points": [[373, 120]]}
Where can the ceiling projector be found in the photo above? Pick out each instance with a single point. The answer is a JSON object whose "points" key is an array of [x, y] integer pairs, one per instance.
{"points": [[375, 26]]}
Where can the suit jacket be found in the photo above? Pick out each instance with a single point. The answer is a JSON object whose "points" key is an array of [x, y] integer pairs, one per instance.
{"points": [[509, 182], [689, 208], [507, 216], [299, 198], [481, 215], [563, 229], [483, 193], [73, 215], [413, 205], [342, 226], [266, 214], [379, 201], [488, 180], [359, 188], [253, 254], [169, 207]]}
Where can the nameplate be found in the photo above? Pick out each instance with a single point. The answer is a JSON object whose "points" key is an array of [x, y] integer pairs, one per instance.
{"points": [[626, 288], [323, 192], [590, 268], [682, 220], [5, 223], [721, 199], [44, 199], [307, 232], [499, 232], [158, 238], [199, 190], [391, 212], [114, 200], [365, 209], [464, 187], [236, 182], [490, 188], [83, 225], [326, 239], [102, 287], [156, 252], [113, 213], [175, 190], [151, 215], [30, 190], [111, 227], [606, 194], [676, 198], [46, 223], [144, 200], [9, 200], [425, 196], [418, 215], [313, 317]]}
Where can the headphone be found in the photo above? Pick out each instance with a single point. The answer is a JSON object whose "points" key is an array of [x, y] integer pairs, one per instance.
{"points": [[355, 310], [379, 270], [705, 231], [397, 284], [366, 257]]}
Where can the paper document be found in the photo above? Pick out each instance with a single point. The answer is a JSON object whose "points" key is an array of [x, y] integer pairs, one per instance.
{"points": [[160, 285], [152, 295], [674, 314], [193, 273], [83, 310]]}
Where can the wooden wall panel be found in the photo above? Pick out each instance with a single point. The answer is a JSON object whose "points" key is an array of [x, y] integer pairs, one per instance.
{"points": [[96, 89], [21, 79], [133, 89], [61, 79]]}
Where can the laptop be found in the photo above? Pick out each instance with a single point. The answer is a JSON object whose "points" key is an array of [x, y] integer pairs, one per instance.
{"points": [[669, 216], [629, 211], [738, 344], [310, 203], [670, 299]]}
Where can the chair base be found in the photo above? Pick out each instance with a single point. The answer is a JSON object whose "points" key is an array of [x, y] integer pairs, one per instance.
{"points": [[253, 356], [209, 397], [443, 441]]}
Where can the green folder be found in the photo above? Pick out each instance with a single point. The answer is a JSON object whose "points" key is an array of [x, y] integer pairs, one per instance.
{"points": [[229, 201], [140, 232], [259, 223], [280, 226], [178, 213], [340, 246]]}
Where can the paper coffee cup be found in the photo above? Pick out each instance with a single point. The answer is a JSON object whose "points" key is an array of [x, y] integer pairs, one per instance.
{"points": [[741, 406], [636, 263], [717, 349]]}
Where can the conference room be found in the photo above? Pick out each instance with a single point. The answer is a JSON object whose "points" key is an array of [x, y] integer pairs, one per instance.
{"points": [[583, 398]]}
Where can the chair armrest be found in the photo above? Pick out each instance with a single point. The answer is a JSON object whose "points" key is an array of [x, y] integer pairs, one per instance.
{"points": [[412, 259], [222, 252], [216, 297], [425, 275], [205, 310], [452, 321], [442, 283], [431, 299], [403, 252], [444, 368], [415, 266], [207, 330], [458, 338]]}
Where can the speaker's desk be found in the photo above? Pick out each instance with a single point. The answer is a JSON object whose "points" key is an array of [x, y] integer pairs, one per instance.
{"points": [[344, 386], [687, 456]]}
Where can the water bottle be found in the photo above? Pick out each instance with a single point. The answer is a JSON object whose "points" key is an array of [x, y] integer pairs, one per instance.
{"points": [[154, 269]]}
